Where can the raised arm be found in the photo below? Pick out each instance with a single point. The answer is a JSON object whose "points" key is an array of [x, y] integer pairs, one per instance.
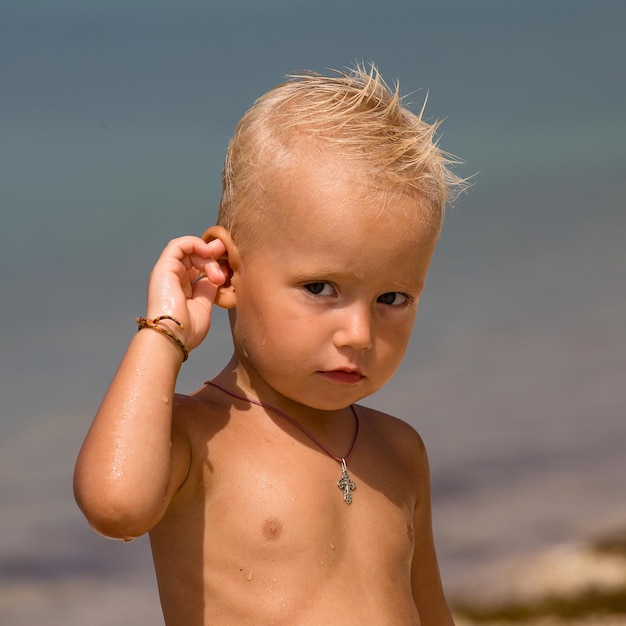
{"points": [[132, 460]]}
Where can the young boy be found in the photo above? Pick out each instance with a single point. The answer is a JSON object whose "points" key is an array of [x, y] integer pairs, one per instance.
{"points": [[269, 495]]}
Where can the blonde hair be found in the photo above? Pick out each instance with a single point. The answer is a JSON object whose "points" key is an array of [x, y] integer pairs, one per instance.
{"points": [[356, 112]]}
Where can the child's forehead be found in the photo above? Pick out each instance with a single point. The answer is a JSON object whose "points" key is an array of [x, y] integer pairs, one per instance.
{"points": [[316, 194], [322, 189], [336, 228]]}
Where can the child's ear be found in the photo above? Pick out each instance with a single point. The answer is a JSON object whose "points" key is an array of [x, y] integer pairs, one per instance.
{"points": [[226, 296]]}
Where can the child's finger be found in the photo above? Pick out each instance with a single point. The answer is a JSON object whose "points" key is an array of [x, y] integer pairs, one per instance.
{"points": [[216, 247], [209, 260], [218, 271], [193, 248], [196, 256], [204, 291]]}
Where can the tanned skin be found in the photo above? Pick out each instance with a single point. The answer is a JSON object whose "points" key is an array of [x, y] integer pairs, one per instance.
{"points": [[247, 524]]}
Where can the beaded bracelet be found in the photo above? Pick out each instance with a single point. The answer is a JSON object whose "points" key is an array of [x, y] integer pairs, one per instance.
{"points": [[154, 325]]}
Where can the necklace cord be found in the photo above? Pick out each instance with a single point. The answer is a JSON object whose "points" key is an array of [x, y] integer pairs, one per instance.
{"points": [[343, 460]]}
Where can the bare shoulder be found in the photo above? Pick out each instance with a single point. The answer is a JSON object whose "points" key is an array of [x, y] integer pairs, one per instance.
{"points": [[197, 415], [197, 419], [391, 444], [195, 422], [398, 434]]}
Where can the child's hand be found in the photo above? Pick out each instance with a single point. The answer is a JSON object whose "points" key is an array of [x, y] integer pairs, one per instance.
{"points": [[184, 283]]}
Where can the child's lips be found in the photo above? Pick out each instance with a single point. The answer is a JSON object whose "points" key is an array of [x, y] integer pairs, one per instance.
{"points": [[349, 377]]}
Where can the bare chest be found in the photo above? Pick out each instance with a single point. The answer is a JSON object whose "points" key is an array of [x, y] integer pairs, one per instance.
{"points": [[292, 505], [267, 525]]}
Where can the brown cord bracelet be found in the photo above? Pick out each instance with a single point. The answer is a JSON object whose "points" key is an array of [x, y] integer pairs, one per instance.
{"points": [[144, 322]]}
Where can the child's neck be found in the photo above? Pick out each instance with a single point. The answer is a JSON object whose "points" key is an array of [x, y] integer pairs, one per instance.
{"points": [[345, 483]]}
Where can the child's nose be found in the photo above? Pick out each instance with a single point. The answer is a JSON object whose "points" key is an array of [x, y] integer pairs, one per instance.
{"points": [[355, 329]]}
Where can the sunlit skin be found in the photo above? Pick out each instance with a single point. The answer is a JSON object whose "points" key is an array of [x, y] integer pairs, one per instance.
{"points": [[326, 299], [246, 521]]}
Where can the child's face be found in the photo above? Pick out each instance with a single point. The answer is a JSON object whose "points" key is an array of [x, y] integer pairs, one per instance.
{"points": [[327, 297]]}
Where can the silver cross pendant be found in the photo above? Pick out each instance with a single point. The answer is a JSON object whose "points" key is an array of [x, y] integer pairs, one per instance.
{"points": [[345, 483]]}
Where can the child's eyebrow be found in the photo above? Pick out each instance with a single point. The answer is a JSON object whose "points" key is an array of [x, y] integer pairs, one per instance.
{"points": [[325, 273]]}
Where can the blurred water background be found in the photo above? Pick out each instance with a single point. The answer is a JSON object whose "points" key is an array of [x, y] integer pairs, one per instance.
{"points": [[114, 119]]}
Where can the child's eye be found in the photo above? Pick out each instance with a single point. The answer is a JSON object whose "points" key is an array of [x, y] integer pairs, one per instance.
{"points": [[320, 289], [394, 298]]}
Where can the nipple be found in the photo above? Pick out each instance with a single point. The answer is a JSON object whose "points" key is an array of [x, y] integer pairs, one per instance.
{"points": [[272, 528]]}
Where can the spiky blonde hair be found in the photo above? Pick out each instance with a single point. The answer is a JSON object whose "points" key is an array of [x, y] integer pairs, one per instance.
{"points": [[355, 112]]}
